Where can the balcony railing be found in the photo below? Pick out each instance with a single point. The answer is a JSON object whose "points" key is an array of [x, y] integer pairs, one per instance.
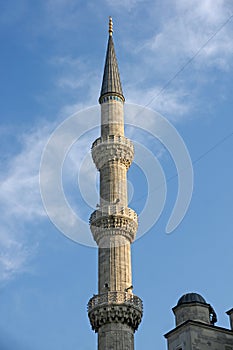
{"points": [[113, 209], [115, 298], [113, 139]]}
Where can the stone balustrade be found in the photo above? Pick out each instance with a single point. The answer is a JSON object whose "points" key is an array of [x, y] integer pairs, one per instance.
{"points": [[113, 139], [113, 209], [115, 297]]}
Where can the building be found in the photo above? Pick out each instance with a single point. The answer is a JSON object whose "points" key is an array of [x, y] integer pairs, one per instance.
{"points": [[195, 326], [115, 312]]}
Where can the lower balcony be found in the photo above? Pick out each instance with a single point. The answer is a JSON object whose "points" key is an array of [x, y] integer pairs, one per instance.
{"points": [[115, 298], [115, 307]]}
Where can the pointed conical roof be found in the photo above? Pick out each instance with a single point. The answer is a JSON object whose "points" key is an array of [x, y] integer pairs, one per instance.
{"points": [[111, 84]]}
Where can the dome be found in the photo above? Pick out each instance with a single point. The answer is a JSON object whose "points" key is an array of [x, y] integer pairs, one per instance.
{"points": [[191, 298]]}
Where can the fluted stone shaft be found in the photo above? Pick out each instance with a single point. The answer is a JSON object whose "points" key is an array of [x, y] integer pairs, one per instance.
{"points": [[112, 117], [115, 265], [113, 184]]}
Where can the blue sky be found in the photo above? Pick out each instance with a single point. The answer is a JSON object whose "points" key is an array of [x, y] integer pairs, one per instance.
{"points": [[52, 55]]}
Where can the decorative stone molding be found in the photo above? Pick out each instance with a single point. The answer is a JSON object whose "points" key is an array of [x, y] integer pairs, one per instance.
{"points": [[112, 220], [119, 307], [113, 148], [99, 233], [111, 97]]}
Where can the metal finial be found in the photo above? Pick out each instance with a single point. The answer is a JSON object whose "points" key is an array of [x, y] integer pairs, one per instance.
{"points": [[110, 30]]}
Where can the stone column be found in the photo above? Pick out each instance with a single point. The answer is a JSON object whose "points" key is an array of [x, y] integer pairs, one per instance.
{"points": [[115, 312]]}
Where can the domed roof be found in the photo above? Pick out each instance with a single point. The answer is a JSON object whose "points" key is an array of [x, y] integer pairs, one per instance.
{"points": [[191, 298]]}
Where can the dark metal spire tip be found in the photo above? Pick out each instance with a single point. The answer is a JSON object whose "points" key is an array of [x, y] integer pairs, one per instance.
{"points": [[111, 84]]}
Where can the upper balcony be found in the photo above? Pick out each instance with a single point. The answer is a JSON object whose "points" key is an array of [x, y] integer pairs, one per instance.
{"points": [[112, 148], [113, 139]]}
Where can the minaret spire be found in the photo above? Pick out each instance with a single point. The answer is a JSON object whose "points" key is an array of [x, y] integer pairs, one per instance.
{"points": [[115, 312], [111, 83]]}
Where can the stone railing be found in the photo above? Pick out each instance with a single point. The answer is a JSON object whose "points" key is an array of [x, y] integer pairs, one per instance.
{"points": [[113, 210], [116, 298], [113, 139]]}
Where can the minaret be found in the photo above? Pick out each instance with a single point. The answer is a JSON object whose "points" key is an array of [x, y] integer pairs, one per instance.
{"points": [[115, 312]]}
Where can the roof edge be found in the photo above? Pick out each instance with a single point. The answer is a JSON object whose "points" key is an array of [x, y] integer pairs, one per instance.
{"points": [[198, 323]]}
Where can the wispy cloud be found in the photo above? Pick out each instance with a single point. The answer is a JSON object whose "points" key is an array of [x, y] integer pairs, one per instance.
{"points": [[154, 59], [174, 104], [192, 24], [168, 59], [154, 56], [20, 203], [20, 200], [76, 76]]}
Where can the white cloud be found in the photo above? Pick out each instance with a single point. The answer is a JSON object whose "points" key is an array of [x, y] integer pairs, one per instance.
{"points": [[14, 255], [19, 194], [20, 203], [189, 28], [168, 59], [76, 76], [20, 200], [173, 104]]}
